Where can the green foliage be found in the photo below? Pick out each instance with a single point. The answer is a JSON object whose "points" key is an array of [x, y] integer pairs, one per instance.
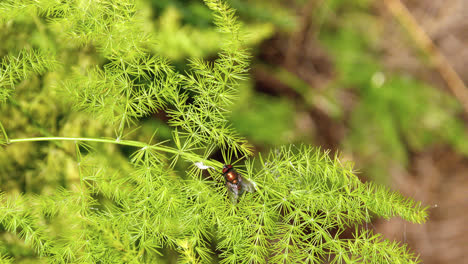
{"points": [[86, 199], [295, 187], [193, 12], [384, 122], [396, 113], [305, 200], [272, 122], [266, 11], [124, 90], [15, 68], [178, 41]]}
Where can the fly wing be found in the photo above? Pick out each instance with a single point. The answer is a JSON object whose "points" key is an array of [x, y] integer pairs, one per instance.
{"points": [[248, 185], [233, 192]]}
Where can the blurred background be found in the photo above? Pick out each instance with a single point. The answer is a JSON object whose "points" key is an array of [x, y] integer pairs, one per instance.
{"points": [[379, 83]]}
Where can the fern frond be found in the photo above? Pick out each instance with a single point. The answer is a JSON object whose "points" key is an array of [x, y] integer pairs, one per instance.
{"points": [[386, 203], [160, 201], [307, 199], [124, 90], [214, 86], [15, 216], [17, 67], [372, 248], [6, 259]]}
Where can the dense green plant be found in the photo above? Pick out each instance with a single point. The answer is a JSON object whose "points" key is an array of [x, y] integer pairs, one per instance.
{"points": [[178, 41], [80, 200], [396, 113], [193, 12], [259, 127]]}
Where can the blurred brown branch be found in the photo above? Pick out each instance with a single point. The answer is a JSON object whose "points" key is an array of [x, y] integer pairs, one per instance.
{"points": [[425, 43]]}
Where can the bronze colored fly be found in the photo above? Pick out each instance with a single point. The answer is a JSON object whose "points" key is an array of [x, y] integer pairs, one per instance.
{"points": [[235, 183]]}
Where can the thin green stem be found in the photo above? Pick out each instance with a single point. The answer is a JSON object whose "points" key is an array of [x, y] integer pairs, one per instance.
{"points": [[78, 159], [132, 143], [4, 133], [32, 120]]}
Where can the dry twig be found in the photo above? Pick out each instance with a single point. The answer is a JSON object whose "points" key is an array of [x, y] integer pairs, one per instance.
{"points": [[425, 43]]}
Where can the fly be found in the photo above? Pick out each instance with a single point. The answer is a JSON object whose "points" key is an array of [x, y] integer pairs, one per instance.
{"points": [[235, 183]]}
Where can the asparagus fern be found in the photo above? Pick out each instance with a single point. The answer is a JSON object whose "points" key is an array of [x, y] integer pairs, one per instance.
{"points": [[158, 206]]}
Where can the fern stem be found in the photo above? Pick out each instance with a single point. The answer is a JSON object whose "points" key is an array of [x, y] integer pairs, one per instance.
{"points": [[4, 133], [102, 140], [132, 143]]}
